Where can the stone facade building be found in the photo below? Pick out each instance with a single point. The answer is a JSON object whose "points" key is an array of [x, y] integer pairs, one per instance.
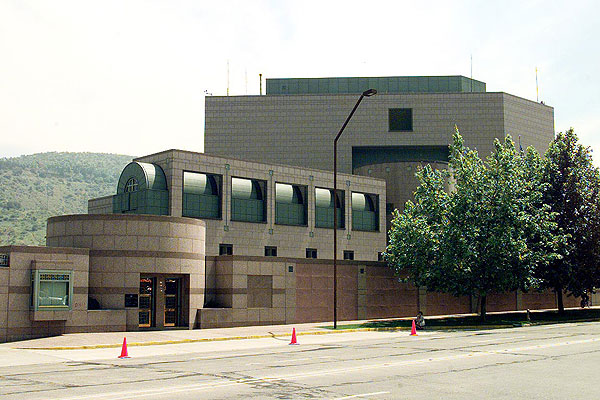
{"points": [[409, 122], [244, 235]]}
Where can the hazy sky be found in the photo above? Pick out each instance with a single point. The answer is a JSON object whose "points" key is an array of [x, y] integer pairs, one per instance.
{"points": [[129, 76]]}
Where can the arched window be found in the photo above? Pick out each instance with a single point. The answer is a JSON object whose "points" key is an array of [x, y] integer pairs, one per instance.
{"points": [[142, 189], [131, 185]]}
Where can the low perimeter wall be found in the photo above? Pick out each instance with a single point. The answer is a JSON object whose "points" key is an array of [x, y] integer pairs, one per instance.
{"points": [[245, 291]]}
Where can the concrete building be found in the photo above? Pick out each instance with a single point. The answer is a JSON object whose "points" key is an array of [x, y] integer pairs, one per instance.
{"points": [[409, 122], [245, 237], [191, 240]]}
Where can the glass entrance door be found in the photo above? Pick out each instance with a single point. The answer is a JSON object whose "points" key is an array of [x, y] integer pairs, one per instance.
{"points": [[172, 301], [147, 302]]}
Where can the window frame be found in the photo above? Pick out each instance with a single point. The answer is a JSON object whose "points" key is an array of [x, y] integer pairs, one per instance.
{"points": [[371, 199], [338, 196], [262, 191], [36, 278], [218, 182], [133, 187], [270, 251], [349, 255], [303, 192], [225, 249], [311, 253]]}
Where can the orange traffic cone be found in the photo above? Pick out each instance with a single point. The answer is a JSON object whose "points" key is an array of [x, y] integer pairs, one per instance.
{"points": [[413, 331], [293, 336], [124, 349]]}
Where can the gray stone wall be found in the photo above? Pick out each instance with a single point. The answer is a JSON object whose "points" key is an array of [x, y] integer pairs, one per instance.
{"points": [[532, 121], [298, 130], [400, 180]]}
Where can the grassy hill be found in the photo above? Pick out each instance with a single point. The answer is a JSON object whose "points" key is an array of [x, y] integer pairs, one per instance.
{"points": [[37, 186]]}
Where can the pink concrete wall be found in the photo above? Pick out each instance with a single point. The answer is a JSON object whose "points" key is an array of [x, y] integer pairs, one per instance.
{"points": [[443, 304], [536, 300], [314, 292], [386, 297]]}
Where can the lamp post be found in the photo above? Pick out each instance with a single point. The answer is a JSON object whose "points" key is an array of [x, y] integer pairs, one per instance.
{"points": [[366, 93]]}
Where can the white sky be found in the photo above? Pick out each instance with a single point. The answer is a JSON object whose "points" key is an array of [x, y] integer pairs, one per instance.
{"points": [[129, 76]]}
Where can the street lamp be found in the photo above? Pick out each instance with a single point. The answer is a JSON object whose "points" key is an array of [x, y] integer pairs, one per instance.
{"points": [[366, 93]]}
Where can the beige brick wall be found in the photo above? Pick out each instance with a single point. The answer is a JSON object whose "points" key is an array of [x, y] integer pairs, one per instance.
{"points": [[250, 239], [17, 320], [101, 205], [300, 290], [123, 246]]}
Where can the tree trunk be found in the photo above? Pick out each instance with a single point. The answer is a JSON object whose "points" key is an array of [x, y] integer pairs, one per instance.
{"points": [[483, 307], [559, 300]]}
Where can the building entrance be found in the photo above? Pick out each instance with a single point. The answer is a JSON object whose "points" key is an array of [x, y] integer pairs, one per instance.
{"points": [[147, 303], [161, 301], [172, 301]]}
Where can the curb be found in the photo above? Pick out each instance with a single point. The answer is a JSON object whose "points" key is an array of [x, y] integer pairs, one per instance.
{"points": [[221, 339], [216, 339], [323, 332]]}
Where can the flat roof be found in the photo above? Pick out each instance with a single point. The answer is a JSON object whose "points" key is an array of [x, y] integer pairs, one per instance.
{"points": [[383, 84]]}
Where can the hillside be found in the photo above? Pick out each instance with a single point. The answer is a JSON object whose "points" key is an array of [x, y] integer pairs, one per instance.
{"points": [[37, 186]]}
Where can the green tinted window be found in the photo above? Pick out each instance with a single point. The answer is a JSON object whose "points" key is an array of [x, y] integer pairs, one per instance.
{"points": [[248, 200], [389, 84], [153, 202], [51, 289], [290, 204], [324, 208], [142, 189], [400, 119], [201, 195], [365, 215]]}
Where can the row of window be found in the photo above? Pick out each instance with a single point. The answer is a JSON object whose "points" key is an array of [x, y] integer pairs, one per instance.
{"points": [[271, 251], [202, 198]]}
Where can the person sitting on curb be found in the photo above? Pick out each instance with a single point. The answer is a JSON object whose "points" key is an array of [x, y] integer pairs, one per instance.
{"points": [[420, 321]]}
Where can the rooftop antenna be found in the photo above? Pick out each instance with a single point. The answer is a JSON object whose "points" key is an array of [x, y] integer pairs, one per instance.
{"points": [[246, 79], [260, 86], [537, 92], [471, 72], [227, 77]]}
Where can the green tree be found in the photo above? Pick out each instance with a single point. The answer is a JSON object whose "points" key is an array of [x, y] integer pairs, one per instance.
{"points": [[486, 234], [571, 190]]}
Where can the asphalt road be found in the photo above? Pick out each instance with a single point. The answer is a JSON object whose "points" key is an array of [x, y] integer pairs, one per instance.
{"points": [[544, 362]]}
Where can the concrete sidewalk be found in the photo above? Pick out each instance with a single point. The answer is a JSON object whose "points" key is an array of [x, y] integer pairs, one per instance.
{"points": [[149, 338], [75, 341]]}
